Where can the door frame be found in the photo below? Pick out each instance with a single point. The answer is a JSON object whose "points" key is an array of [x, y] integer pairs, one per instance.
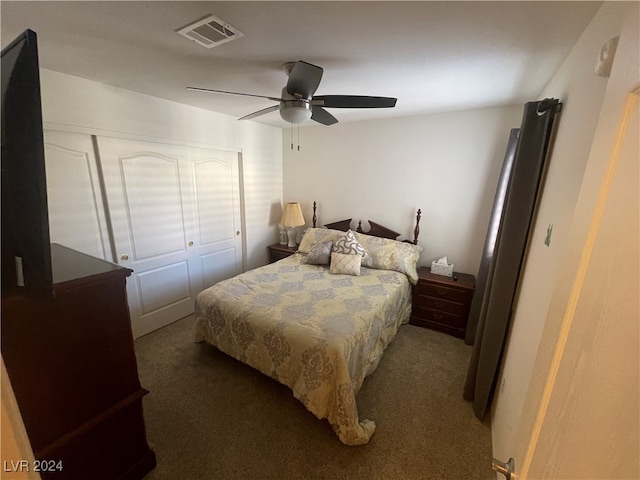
{"points": [[551, 360]]}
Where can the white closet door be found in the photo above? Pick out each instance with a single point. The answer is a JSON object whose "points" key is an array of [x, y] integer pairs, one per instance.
{"points": [[76, 211], [151, 189], [217, 241]]}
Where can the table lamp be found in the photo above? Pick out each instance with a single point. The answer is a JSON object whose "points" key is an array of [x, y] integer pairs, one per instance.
{"points": [[292, 218]]}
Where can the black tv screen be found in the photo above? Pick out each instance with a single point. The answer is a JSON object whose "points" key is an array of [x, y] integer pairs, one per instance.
{"points": [[26, 248]]}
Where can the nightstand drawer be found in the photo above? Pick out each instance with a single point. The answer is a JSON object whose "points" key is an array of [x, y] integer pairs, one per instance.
{"points": [[454, 308], [278, 251], [439, 317], [445, 293], [275, 255]]}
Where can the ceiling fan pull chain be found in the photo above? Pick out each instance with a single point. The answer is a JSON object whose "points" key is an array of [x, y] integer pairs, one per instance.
{"points": [[298, 137], [291, 134]]}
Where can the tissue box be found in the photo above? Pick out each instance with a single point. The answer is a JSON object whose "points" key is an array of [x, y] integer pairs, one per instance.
{"points": [[439, 269]]}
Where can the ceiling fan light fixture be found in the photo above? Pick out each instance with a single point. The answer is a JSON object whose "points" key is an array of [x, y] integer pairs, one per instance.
{"points": [[295, 111]]}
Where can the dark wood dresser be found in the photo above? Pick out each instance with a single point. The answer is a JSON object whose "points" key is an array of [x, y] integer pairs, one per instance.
{"points": [[443, 303], [72, 365], [277, 251]]}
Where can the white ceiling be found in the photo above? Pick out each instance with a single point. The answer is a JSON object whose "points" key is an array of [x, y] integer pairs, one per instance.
{"points": [[432, 56]]}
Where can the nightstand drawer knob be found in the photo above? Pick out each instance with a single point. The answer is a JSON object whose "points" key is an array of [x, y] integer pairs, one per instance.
{"points": [[442, 291]]}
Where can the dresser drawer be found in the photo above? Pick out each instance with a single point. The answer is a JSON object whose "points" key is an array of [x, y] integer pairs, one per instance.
{"points": [[444, 293]]}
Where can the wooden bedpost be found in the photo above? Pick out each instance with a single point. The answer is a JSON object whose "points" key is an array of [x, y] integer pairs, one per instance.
{"points": [[416, 231], [315, 219]]}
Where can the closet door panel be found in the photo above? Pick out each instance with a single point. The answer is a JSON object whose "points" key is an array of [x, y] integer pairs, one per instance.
{"points": [[153, 197], [175, 212], [77, 217], [214, 201], [156, 293], [217, 204], [218, 266], [148, 186]]}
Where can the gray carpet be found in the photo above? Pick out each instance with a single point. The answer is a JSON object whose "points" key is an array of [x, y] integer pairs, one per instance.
{"points": [[210, 417]]}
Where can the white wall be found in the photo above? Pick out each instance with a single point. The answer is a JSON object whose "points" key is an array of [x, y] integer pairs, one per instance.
{"points": [[445, 164], [92, 107], [582, 94]]}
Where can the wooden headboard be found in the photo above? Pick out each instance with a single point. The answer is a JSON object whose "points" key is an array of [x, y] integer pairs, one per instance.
{"points": [[375, 229]]}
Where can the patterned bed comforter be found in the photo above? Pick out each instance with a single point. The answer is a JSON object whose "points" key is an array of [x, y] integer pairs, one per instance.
{"points": [[317, 333]]}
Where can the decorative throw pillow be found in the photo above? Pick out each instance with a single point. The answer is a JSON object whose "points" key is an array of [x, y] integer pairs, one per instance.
{"points": [[316, 235], [319, 253], [348, 245], [387, 254], [344, 264]]}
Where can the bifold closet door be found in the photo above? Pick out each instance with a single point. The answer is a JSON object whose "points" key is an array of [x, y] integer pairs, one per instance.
{"points": [[216, 204], [176, 222], [77, 217]]}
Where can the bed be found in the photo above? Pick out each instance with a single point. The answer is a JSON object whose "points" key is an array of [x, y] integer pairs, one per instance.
{"points": [[318, 328]]}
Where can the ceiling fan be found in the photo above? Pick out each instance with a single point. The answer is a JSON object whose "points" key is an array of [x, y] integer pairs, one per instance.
{"points": [[297, 103]]}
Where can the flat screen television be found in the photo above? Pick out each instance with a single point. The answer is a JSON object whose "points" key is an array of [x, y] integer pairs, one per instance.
{"points": [[26, 247]]}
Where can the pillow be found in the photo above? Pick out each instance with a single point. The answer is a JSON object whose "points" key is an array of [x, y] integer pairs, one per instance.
{"points": [[348, 245], [319, 253], [387, 254], [345, 264], [316, 235]]}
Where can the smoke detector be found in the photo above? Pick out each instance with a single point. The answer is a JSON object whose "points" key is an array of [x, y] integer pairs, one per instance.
{"points": [[210, 32]]}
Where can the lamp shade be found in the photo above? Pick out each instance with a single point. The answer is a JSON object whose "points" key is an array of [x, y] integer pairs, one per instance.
{"points": [[292, 215]]}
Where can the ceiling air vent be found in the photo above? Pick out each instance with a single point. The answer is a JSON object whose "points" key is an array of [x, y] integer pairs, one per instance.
{"points": [[210, 32]]}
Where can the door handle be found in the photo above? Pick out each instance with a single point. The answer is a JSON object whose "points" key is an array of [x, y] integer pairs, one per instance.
{"points": [[124, 257], [505, 469]]}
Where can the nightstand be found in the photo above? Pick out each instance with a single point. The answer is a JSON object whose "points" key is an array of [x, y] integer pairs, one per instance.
{"points": [[277, 251], [442, 303]]}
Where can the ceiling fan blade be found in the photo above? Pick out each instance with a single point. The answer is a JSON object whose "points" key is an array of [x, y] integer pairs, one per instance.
{"points": [[353, 101], [320, 115], [273, 108], [208, 90], [304, 79]]}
